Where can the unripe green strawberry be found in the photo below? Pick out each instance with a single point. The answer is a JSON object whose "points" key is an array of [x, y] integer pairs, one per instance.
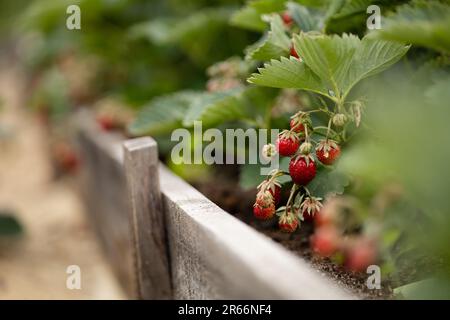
{"points": [[339, 120]]}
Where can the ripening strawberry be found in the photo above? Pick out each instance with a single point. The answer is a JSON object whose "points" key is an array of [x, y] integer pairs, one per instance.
{"points": [[325, 241], [288, 143], [287, 19], [288, 222], [361, 255], [328, 151], [302, 169]]}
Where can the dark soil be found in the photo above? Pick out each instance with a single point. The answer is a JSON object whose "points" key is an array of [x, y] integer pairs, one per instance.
{"points": [[234, 200]]}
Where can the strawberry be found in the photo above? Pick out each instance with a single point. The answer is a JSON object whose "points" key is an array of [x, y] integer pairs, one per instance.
{"points": [[297, 127], [288, 222], [294, 53], [264, 207], [310, 207], [273, 187], [302, 169], [288, 143], [287, 19], [325, 241], [297, 122], [361, 255], [106, 122], [328, 151]]}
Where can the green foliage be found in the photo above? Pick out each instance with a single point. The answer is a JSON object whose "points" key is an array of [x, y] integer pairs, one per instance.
{"points": [[276, 44], [163, 114], [424, 23], [211, 108], [332, 65], [329, 182]]}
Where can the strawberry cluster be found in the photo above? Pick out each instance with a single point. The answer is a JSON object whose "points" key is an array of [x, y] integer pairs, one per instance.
{"points": [[297, 144]]}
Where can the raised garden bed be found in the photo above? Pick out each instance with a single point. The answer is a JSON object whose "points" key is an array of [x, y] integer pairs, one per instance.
{"points": [[186, 247]]}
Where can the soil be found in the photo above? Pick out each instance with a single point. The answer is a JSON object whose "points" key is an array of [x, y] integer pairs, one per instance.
{"points": [[230, 197]]}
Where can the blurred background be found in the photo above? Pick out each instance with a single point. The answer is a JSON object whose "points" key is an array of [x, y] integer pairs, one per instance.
{"points": [[144, 67]]}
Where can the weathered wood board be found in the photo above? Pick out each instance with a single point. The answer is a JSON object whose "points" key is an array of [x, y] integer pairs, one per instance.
{"points": [[216, 256], [194, 249], [102, 186]]}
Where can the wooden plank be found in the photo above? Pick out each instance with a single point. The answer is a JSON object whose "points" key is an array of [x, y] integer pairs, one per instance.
{"points": [[216, 256], [147, 219], [102, 187]]}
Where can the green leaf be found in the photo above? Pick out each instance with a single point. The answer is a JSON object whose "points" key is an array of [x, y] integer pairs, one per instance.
{"points": [[328, 181], [424, 24], [329, 57], [288, 73], [248, 18], [276, 44], [163, 114], [214, 108], [306, 19], [330, 63]]}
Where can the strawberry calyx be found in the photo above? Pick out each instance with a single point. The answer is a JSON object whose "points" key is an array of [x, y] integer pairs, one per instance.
{"points": [[310, 206], [288, 222]]}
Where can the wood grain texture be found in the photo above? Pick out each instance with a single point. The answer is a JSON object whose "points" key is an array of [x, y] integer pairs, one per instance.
{"points": [[147, 219], [102, 187], [216, 256]]}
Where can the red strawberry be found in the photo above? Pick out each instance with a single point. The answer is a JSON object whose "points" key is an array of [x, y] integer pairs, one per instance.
{"points": [[264, 207], [273, 187], [310, 207], [106, 122], [276, 193], [360, 256], [288, 143], [325, 241], [328, 151], [302, 169], [297, 126], [294, 53], [287, 19], [288, 222], [298, 121], [263, 213]]}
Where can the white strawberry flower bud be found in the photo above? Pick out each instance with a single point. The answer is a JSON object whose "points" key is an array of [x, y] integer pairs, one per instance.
{"points": [[339, 120], [269, 151]]}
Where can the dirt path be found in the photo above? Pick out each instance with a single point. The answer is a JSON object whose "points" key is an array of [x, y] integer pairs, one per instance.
{"points": [[56, 232]]}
